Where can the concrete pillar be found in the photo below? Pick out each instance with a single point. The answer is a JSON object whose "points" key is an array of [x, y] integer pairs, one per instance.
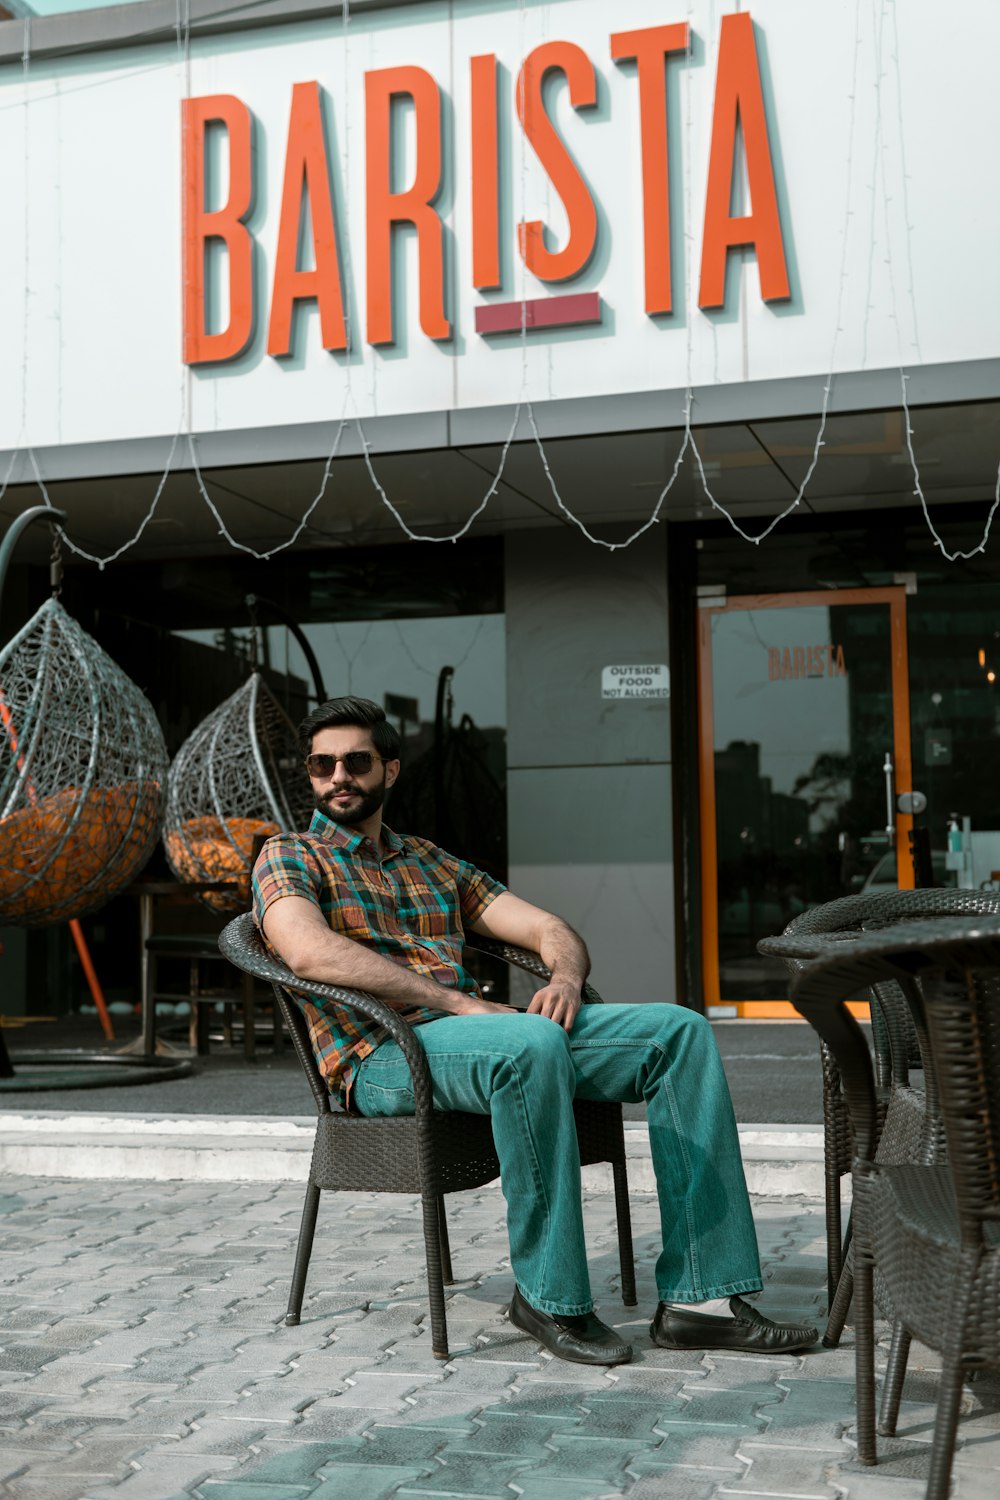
{"points": [[589, 780]]}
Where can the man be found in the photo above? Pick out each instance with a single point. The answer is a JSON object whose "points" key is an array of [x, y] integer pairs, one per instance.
{"points": [[351, 903]]}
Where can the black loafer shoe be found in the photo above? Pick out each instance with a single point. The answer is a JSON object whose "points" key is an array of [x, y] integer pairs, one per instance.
{"points": [[747, 1330], [584, 1339]]}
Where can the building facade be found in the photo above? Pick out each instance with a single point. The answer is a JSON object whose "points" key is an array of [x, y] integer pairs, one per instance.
{"points": [[641, 365]]}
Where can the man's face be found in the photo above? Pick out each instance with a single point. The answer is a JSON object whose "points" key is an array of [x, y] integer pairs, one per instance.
{"points": [[350, 796]]}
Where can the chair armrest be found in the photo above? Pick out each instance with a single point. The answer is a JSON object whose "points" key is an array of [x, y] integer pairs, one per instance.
{"points": [[796, 949], [819, 993], [241, 944], [522, 958]]}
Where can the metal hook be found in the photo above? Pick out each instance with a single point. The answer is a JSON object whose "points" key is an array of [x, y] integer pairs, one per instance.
{"points": [[17, 527], [56, 563]]}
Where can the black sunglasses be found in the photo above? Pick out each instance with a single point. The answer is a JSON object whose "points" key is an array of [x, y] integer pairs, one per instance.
{"points": [[356, 763]]}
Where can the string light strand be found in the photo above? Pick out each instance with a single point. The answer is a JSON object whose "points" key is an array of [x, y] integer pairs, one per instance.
{"points": [[919, 491], [303, 523]]}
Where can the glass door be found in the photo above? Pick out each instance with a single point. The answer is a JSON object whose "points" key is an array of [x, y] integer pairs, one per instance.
{"points": [[804, 744]]}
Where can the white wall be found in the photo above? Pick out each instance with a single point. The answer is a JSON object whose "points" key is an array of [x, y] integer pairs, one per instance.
{"points": [[90, 183]]}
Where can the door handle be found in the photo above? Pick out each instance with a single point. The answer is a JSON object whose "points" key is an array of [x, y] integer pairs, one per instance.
{"points": [[890, 800]]}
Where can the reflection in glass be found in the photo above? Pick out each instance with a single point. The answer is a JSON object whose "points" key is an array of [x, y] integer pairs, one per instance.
{"points": [[802, 706]]}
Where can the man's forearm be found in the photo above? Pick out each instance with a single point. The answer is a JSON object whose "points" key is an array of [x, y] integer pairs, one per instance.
{"points": [[564, 951], [331, 958]]}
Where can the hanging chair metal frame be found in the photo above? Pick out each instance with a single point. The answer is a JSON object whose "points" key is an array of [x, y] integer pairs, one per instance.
{"points": [[208, 784], [70, 1069], [27, 783]]}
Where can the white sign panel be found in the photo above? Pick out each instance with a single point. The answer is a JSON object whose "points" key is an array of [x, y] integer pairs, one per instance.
{"points": [[318, 221], [636, 683]]}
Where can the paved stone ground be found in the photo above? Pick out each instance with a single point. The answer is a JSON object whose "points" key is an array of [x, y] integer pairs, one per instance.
{"points": [[143, 1357]]}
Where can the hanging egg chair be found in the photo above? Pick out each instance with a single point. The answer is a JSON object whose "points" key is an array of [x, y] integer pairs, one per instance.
{"points": [[238, 776], [82, 773]]}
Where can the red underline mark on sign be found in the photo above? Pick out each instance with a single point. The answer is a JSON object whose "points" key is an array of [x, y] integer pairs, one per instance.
{"points": [[542, 312]]}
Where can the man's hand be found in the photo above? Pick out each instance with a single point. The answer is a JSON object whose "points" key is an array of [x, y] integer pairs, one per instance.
{"points": [[512, 920], [560, 1000]]}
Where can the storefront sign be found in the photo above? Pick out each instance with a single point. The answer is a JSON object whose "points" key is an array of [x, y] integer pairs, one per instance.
{"points": [[805, 661], [309, 262], [362, 216], [635, 682]]}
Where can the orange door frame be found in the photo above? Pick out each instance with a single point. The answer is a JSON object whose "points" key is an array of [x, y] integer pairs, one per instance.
{"points": [[895, 598]]}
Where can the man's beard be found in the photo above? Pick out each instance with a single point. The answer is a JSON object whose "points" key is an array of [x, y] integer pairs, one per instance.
{"points": [[350, 816]]}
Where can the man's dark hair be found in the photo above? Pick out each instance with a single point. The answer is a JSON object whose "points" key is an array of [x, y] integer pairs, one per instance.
{"points": [[356, 713]]}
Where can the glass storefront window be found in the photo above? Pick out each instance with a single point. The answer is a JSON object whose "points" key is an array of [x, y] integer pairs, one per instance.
{"points": [[955, 712], [796, 765], [452, 789], [802, 720], [952, 627]]}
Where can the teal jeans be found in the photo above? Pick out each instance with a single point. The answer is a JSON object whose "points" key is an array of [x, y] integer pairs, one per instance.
{"points": [[524, 1071]]}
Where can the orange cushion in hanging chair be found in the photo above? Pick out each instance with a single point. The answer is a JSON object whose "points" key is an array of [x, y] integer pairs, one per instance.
{"points": [[212, 849], [58, 855]]}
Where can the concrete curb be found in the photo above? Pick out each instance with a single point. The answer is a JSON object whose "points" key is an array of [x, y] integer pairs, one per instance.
{"points": [[779, 1160]]}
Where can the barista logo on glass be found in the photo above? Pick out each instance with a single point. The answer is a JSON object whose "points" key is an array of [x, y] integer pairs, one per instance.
{"points": [[805, 661]]}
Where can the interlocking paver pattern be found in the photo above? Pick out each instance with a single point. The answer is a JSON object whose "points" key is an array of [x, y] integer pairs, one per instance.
{"points": [[143, 1356]]}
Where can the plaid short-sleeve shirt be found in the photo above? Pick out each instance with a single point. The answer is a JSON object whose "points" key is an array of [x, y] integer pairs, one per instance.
{"points": [[408, 901]]}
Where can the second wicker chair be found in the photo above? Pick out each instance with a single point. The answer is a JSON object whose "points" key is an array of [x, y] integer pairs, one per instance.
{"points": [[908, 1133]]}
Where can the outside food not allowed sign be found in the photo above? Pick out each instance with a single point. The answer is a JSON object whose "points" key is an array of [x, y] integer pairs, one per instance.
{"points": [[635, 682]]}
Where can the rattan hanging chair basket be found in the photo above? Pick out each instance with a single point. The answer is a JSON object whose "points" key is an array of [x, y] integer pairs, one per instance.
{"points": [[83, 769], [237, 776]]}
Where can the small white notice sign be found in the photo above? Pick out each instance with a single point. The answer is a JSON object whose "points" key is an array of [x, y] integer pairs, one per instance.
{"points": [[635, 682]]}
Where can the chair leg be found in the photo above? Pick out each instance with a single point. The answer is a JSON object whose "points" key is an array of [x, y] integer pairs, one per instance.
{"points": [[303, 1251], [624, 1213], [834, 1234], [447, 1275], [841, 1304], [198, 1022], [249, 1039], [895, 1374], [148, 978], [198, 1032], [864, 1356], [435, 1287], [945, 1425]]}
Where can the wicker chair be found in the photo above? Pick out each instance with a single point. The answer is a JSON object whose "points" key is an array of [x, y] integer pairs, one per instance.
{"points": [[908, 1133], [927, 1235], [430, 1152]]}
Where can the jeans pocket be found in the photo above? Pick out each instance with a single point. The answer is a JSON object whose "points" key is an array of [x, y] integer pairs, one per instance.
{"points": [[378, 1100]]}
